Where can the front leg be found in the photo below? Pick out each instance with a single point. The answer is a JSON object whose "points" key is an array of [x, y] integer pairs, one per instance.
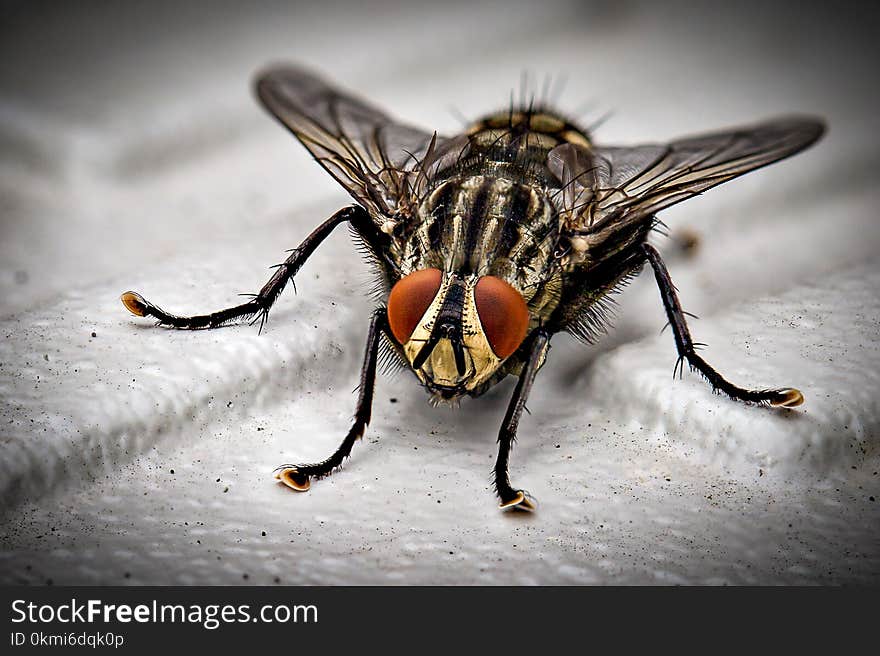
{"points": [[258, 306], [297, 477], [786, 397], [511, 498]]}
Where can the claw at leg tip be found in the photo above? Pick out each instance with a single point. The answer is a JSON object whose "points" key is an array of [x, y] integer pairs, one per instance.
{"points": [[519, 502], [134, 303], [293, 479], [787, 398]]}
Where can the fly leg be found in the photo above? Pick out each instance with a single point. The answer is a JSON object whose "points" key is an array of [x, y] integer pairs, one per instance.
{"points": [[511, 498], [786, 397], [258, 306], [298, 477]]}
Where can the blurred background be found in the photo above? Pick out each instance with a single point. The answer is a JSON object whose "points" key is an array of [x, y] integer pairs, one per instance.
{"points": [[133, 155]]}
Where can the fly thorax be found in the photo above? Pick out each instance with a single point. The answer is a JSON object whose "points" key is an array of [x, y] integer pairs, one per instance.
{"points": [[487, 223]]}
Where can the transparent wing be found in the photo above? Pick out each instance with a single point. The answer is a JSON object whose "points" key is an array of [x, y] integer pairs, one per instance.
{"points": [[607, 189], [370, 154]]}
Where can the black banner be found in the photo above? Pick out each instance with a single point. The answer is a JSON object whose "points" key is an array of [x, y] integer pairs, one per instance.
{"points": [[296, 618]]}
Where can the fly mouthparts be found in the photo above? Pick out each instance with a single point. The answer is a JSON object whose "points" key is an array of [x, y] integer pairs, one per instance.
{"points": [[425, 351], [458, 352]]}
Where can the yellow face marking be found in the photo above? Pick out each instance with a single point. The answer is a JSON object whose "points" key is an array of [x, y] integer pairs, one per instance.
{"points": [[480, 361]]}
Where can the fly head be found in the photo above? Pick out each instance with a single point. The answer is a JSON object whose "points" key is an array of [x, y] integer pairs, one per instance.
{"points": [[455, 331]]}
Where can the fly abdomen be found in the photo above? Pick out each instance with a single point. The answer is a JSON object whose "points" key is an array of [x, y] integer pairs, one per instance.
{"points": [[527, 128]]}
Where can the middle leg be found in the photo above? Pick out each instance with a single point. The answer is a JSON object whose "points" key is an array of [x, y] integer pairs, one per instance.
{"points": [[297, 476]]}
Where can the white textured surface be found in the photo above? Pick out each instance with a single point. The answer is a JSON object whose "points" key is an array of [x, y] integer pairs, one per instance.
{"points": [[138, 160]]}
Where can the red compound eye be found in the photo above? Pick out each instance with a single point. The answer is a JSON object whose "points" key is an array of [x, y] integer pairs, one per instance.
{"points": [[409, 300], [503, 313]]}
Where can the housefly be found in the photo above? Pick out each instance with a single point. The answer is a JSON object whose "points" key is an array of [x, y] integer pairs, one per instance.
{"points": [[488, 243]]}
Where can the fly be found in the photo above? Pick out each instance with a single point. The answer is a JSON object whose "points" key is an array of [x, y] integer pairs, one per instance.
{"points": [[488, 243]]}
